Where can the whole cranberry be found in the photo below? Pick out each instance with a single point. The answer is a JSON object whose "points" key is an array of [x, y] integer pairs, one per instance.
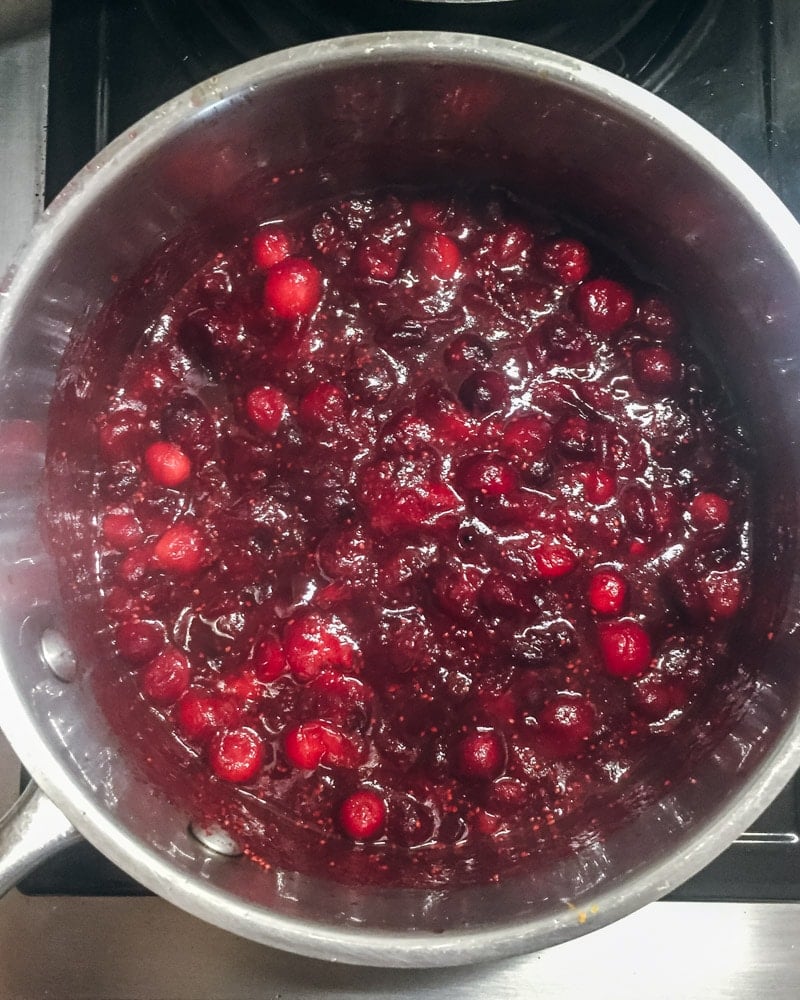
{"points": [[656, 369], [167, 464], [553, 560], [722, 590], [624, 648], [486, 474], [270, 245], [268, 659], [118, 434], [236, 755], [266, 408], [293, 288], [139, 641], [323, 406], [527, 437], [377, 259], [607, 593], [657, 317], [483, 393], [709, 511], [122, 530], [312, 643], [180, 550], [605, 306], [430, 213], [198, 715], [435, 255], [568, 260], [657, 698], [480, 756], [569, 717], [362, 815], [166, 677], [599, 485], [574, 436]]}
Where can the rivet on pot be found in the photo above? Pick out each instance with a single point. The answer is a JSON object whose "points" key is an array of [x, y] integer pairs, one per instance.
{"points": [[215, 839], [57, 654]]}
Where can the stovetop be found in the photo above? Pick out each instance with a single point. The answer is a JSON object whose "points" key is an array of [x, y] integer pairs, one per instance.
{"points": [[730, 64]]}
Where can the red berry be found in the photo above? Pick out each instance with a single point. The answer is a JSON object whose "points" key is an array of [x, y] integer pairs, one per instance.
{"points": [[722, 590], [323, 406], [527, 437], [122, 530], [293, 288], [656, 369], [265, 407], [270, 246], [313, 643], [508, 246], [167, 464], [180, 550], [657, 317], [377, 260], [624, 648], [236, 755], [137, 641], [599, 485], [313, 743], [709, 511], [118, 434], [362, 815], [467, 351], [574, 435], [268, 659], [605, 306], [553, 560], [166, 677], [563, 338], [480, 756], [429, 214], [567, 260], [568, 717], [435, 255], [607, 593], [656, 699], [199, 715], [487, 475], [483, 393]]}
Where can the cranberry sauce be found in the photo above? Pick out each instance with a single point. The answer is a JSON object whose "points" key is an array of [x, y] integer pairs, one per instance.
{"points": [[419, 523]]}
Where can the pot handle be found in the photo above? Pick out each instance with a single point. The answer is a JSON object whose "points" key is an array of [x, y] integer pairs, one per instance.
{"points": [[31, 831]]}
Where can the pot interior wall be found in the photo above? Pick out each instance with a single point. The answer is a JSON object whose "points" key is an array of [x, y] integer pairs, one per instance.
{"points": [[246, 154]]}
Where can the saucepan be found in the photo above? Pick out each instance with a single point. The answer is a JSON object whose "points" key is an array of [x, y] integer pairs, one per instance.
{"points": [[345, 115]]}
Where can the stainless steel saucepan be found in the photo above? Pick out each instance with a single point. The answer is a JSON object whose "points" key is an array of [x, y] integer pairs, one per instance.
{"points": [[334, 117]]}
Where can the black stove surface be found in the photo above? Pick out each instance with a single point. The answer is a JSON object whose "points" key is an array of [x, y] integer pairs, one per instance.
{"points": [[730, 64]]}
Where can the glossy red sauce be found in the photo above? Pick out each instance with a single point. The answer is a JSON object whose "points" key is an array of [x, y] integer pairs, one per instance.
{"points": [[419, 523]]}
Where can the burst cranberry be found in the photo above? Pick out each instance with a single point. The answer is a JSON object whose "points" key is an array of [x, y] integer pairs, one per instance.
{"points": [[553, 560], [480, 756], [509, 246], [187, 423], [269, 247], [568, 717], [527, 437], [122, 530], [166, 677], [180, 550], [456, 590], [167, 464], [607, 593], [483, 393], [323, 406], [599, 485], [624, 648], [657, 698], [293, 288], [199, 715], [378, 260], [574, 436], [435, 255], [118, 434], [313, 743], [467, 351], [567, 260], [563, 338], [503, 595], [268, 659], [266, 408], [236, 755], [722, 590], [313, 643], [648, 512], [709, 511], [656, 369], [139, 641], [605, 306], [657, 317], [362, 815], [487, 475]]}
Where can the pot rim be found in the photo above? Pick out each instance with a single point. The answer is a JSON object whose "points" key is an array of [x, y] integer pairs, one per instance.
{"points": [[350, 943]]}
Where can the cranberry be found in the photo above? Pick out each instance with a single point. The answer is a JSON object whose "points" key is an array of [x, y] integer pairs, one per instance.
{"points": [[181, 550], [483, 393], [709, 511], [527, 437], [569, 717], [293, 288], [323, 406], [139, 641], [372, 378], [313, 643], [722, 590], [118, 434], [605, 306], [648, 512], [480, 756], [430, 214], [236, 755], [187, 423], [456, 590], [509, 246], [563, 339], [574, 436], [657, 317], [599, 485], [435, 255], [313, 743], [268, 659], [362, 815], [269, 247], [624, 648], [656, 369], [122, 530], [553, 560], [378, 260], [486, 474], [607, 593], [467, 351], [199, 715], [503, 595], [656, 698], [568, 260], [266, 407], [166, 677], [167, 464]]}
